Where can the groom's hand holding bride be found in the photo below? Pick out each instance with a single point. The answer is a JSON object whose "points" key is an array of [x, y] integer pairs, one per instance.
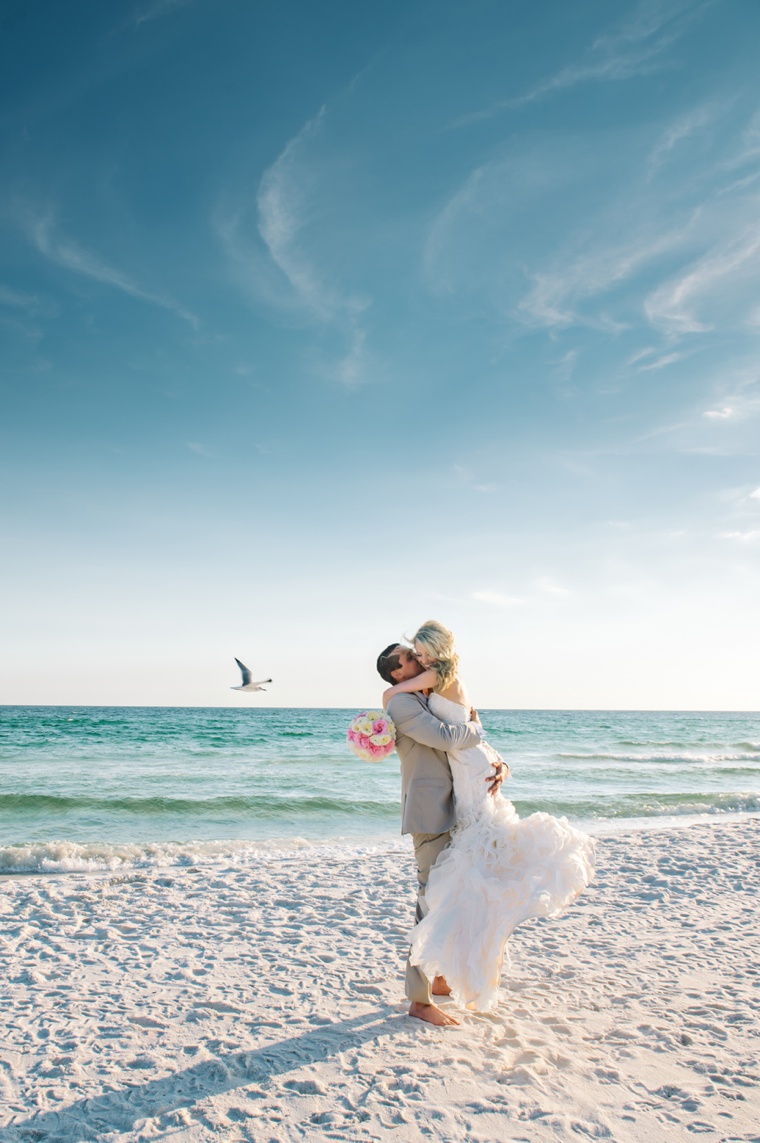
{"points": [[500, 768]]}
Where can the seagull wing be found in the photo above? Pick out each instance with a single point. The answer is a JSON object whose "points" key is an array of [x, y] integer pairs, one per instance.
{"points": [[258, 684], [244, 672]]}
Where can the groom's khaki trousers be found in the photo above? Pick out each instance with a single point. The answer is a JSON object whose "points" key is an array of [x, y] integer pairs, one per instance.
{"points": [[427, 847]]}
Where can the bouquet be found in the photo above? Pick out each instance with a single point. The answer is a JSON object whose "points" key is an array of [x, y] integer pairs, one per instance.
{"points": [[371, 736]]}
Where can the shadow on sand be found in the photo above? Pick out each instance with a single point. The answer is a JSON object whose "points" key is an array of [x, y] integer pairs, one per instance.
{"points": [[89, 1119]]}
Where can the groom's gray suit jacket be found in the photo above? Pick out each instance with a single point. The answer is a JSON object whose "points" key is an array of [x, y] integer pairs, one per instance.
{"points": [[427, 800]]}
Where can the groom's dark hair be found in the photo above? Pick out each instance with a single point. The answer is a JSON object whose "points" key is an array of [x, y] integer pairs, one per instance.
{"points": [[387, 662]]}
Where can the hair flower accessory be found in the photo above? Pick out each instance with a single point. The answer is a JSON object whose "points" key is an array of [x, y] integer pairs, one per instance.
{"points": [[371, 736]]}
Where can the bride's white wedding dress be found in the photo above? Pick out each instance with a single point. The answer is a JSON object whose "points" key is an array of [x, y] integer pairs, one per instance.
{"points": [[497, 871]]}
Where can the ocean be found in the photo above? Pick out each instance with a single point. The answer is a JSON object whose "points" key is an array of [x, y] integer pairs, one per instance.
{"points": [[88, 788]]}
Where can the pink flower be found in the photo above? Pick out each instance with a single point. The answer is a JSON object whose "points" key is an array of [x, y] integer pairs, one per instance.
{"points": [[368, 746]]}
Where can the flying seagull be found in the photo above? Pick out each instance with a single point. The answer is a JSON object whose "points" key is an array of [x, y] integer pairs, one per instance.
{"points": [[247, 684]]}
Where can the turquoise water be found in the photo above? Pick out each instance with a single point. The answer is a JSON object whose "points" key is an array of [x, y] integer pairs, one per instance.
{"points": [[104, 787]]}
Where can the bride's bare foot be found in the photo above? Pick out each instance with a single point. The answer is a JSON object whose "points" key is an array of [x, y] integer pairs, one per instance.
{"points": [[431, 1014], [439, 987]]}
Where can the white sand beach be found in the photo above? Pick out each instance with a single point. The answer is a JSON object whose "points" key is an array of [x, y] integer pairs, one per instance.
{"points": [[265, 1002]]}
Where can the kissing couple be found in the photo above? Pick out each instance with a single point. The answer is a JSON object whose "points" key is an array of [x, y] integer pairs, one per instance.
{"points": [[481, 869]]}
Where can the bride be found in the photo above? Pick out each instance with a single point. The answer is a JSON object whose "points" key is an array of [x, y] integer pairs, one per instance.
{"points": [[498, 869]]}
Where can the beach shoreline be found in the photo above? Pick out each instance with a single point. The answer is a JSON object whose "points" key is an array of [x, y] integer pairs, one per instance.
{"points": [[65, 858], [267, 1002], [145, 787]]}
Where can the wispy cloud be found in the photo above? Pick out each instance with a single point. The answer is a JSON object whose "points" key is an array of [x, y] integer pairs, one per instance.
{"points": [[282, 221], [751, 134], [682, 128], [467, 477], [442, 226], [727, 427], [661, 362], [63, 251], [564, 366], [476, 242], [20, 313], [247, 261], [554, 300], [742, 402], [19, 327], [748, 151], [19, 300], [634, 48], [277, 266], [496, 599], [283, 217], [641, 354], [352, 368], [716, 285], [755, 495], [547, 585], [674, 305], [751, 537], [155, 11], [147, 13], [663, 431], [681, 250], [200, 450]]}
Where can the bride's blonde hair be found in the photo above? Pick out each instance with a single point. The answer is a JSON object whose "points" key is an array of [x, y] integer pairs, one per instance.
{"points": [[438, 643]]}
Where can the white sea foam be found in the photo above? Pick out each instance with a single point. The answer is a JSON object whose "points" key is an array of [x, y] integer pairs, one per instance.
{"points": [[666, 820], [96, 857], [99, 857], [672, 758]]}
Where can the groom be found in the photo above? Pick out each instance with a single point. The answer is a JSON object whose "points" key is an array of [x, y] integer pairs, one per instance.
{"points": [[427, 801]]}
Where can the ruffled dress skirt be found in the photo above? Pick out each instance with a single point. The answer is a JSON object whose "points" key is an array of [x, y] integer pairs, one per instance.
{"points": [[497, 871]]}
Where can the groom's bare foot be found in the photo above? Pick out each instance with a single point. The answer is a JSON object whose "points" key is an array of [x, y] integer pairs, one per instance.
{"points": [[439, 987], [431, 1014]]}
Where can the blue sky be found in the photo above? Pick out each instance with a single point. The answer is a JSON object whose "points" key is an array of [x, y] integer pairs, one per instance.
{"points": [[321, 320]]}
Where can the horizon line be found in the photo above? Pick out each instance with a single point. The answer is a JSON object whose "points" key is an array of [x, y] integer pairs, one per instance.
{"points": [[495, 709]]}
